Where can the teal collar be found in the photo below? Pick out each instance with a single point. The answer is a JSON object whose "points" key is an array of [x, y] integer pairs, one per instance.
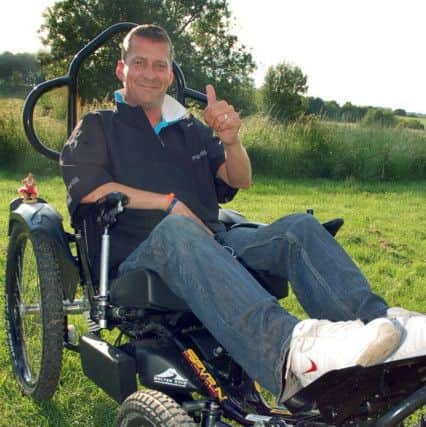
{"points": [[171, 112]]}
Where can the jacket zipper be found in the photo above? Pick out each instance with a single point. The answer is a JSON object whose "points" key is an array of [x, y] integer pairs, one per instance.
{"points": [[161, 141]]}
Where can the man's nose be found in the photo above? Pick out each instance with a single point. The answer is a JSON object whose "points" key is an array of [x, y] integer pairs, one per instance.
{"points": [[148, 72]]}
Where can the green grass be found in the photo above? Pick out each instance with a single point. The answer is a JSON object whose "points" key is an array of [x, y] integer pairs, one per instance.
{"points": [[16, 153], [313, 148], [385, 232], [420, 119]]}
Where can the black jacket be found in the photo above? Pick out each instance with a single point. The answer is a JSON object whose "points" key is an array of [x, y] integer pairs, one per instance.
{"points": [[121, 146]]}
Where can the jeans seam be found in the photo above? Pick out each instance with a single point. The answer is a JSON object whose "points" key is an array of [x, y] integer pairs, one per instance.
{"points": [[292, 238], [321, 281], [262, 243]]}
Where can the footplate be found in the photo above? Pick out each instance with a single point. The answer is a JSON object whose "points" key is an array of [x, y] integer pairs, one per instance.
{"points": [[358, 392]]}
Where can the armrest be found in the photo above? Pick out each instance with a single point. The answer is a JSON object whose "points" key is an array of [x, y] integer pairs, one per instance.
{"points": [[333, 226], [109, 207], [230, 217]]}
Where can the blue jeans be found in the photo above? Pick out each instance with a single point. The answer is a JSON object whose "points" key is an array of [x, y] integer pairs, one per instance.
{"points": [[249, 322]]}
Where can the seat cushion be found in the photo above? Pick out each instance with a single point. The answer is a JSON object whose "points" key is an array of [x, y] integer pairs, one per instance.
{"points": [[144, 289]]}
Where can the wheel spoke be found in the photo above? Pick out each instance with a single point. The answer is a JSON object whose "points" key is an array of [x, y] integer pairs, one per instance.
{"points": [[31, 326], [19, 275], [34, 312]]}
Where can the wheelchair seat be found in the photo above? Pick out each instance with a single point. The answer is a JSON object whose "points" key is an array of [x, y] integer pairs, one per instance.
{"points": [[144, 289]]}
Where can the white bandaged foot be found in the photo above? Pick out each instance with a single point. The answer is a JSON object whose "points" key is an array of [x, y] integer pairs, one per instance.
{"points": [[320, 346], [413, 327]]}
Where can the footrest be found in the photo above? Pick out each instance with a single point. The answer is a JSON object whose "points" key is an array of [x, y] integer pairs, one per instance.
{"points": [[354, 391]]}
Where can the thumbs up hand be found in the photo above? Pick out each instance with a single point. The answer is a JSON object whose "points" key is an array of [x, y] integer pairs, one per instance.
{"points": [[211, 94], [222, 118]]}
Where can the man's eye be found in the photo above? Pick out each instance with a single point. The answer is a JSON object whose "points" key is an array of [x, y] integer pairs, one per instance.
{"points": [[136, 63]]}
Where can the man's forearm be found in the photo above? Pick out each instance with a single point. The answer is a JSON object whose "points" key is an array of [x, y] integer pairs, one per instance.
{"points": [[138, 199], [238, 167]]}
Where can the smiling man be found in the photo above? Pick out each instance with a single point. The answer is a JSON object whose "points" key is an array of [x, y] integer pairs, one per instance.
{"points": [[146, 73], [167, 163]]}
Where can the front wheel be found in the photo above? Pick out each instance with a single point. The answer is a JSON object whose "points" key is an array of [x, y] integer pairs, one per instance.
{"points": [[150, 408], [34, 312]]}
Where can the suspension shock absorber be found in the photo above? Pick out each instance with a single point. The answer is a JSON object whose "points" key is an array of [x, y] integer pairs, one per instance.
{"points": [[102, 299]]}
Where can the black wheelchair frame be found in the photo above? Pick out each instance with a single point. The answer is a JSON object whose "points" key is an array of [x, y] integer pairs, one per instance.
{"points": [[187, 372]]}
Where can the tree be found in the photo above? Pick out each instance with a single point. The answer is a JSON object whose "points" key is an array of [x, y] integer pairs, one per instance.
{"points": [[352, 113], [282, 91], [332, 110], [400, 112], [19, 71], [199, 29], [315, 106]]}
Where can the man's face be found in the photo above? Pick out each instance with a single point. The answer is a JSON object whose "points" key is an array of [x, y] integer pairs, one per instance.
{"points": [[147, 73]]}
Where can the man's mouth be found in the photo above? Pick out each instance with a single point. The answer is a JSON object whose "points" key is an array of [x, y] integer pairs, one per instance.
{"points": [[149, 87]]}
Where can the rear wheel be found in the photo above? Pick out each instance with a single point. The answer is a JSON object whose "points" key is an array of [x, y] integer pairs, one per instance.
{"points": [[150, 408], [34, 312]]}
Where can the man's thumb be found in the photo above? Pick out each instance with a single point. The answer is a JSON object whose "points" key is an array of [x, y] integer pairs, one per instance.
{"points": [[211, 94]]}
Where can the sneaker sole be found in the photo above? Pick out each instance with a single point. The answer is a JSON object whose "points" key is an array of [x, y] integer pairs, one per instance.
{"points": [[387, 341]]}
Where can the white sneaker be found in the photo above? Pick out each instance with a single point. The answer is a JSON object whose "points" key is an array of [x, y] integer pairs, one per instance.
{"points": [[413, 327], [320, 346]]}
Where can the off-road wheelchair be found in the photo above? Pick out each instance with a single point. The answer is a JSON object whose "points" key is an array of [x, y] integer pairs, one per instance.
{"points": [[188, 378]]}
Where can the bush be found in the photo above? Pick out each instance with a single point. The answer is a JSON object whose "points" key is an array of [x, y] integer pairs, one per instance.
{"points": [[11, 141], [411, 124], [308, 147], [17, 154], [54, 104], [379, 117], [311, 148]]}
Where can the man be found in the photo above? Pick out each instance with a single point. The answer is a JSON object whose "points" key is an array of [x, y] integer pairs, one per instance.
{"points": [[167, 162]]}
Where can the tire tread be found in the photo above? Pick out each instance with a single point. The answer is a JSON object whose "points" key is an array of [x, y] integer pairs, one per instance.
{"points": [[159, 407], [52, 316]]}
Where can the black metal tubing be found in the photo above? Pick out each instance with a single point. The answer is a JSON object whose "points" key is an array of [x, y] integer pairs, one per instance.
{"points": [[28, 114], [183, 91], [79, 58], [401, 411], [70, 80]]}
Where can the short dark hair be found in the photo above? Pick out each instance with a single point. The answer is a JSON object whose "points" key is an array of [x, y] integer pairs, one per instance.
{"points": [[149, 31]]}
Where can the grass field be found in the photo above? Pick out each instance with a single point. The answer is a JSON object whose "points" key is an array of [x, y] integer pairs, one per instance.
{"points": [[307, 148], [421, 119], [385, 232]]}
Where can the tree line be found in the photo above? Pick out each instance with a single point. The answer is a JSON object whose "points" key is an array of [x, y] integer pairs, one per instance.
{"points": [[283, 98], [19, 72]]}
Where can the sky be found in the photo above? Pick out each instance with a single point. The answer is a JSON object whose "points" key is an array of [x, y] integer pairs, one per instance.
{"points": [[368, 52]]}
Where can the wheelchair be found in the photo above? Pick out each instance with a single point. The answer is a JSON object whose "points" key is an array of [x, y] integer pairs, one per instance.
{"points": [[187, 377]]}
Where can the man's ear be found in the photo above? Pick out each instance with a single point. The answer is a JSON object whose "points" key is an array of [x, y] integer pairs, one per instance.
{"points": [[119, 70], [171, 78]]}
